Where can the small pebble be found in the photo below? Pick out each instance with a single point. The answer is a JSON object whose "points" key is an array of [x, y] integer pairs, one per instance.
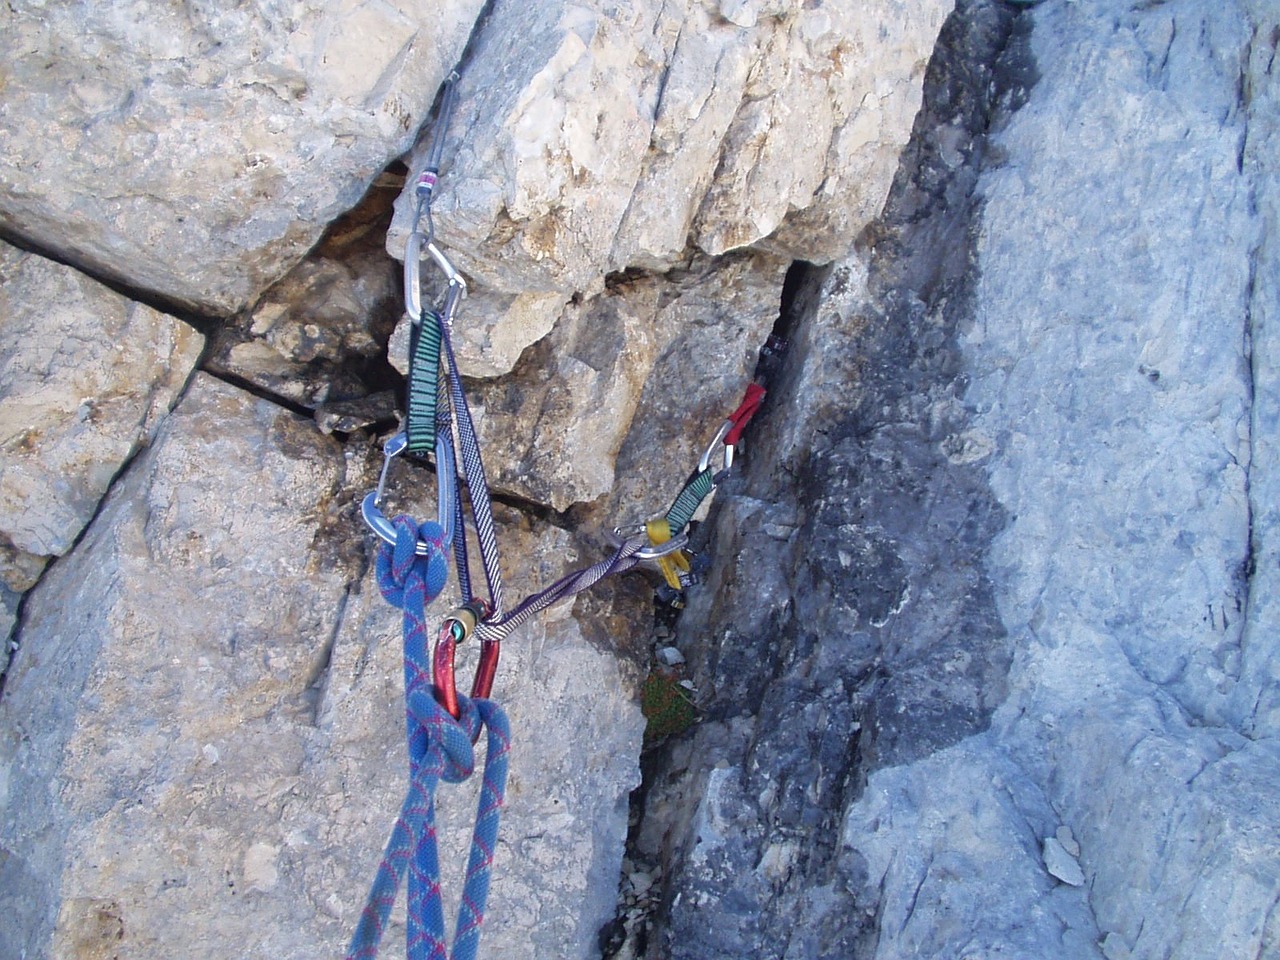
{"points": [[670, 657], [1068, 840], [1061, 864]]}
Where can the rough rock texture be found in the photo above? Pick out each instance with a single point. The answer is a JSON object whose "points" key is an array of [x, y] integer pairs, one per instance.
{"points": [[86, 378], [198, 152], [1146, 386], [232, 665], [626, 394], [319, 335], [590, 138], [214, 637], [155, 721], [597, 155], [985, 662], [1007, 583], [1261, 158]]}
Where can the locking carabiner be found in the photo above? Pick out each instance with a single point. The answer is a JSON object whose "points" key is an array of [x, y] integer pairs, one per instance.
{"points": [[455, 630], [446, 493]]}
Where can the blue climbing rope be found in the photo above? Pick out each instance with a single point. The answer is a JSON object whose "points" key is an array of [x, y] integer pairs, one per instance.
{"points": [[413, 568], [440, 748]]}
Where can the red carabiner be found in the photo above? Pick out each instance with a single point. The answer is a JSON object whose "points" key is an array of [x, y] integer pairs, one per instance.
{"points": [[456, 628], [746, 410]]}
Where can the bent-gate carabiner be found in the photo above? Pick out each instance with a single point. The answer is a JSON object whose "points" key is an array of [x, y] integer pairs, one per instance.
{"points": [[413, 274], [446, 493], [619, 536]]}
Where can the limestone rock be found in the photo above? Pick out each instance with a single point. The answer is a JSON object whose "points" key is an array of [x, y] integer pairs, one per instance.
{"points": [[9, 600], [624, 395], [86, 379], [183, 636], [318, 336], [200, 152], [1007, 576], [1139, 444], [221, 647], [589, 140], [1257, 696], [1060, 863], [928, 831]]}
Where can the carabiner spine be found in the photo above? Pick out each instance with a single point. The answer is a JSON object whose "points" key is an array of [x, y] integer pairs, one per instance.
{"points": [[457, 627]]}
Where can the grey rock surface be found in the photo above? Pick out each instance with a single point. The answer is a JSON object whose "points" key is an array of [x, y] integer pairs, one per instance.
{"points": [[156, 717], [9, 601], [86, 378], [590, 139], [1061, 863], [622, 398], [1006, 582], [319, 335], [1143, 384], [199, 152], [985, 659], [225, 650]]}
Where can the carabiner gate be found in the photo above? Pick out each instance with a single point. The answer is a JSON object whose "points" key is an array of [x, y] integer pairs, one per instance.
{"points": [[457, 627], [619, 536], [446, 493], [413, 274], [705, 461]]}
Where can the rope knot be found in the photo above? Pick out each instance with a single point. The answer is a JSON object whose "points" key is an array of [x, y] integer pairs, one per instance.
{"points": [[438, 742], [403, 573]]}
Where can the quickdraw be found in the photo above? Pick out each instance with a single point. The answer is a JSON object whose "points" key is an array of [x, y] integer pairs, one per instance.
{"points": [[413, 568], [667, 536]]}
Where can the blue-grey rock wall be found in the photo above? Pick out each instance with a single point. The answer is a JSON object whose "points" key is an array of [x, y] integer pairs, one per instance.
{"points": [[986, 658]]}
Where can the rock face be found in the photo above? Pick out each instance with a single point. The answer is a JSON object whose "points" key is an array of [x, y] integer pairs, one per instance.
{"points": [[984, 660], [590, 412], [198, 153], [318, 337], [231, 662], [589, 139], [599, 163], [183, 637], [86, 377], [1005, 586]]}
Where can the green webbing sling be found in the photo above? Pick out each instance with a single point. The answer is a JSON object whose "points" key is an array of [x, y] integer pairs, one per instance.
{"points": [[690, 498], [424, 384]]}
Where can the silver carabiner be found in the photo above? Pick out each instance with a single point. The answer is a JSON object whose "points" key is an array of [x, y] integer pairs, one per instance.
{"points": [[618, 537], [413, 274], [705, 461], [446, 493]]}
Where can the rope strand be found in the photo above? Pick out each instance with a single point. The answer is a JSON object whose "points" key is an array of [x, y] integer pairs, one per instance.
{"points": [[440, 748]]}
